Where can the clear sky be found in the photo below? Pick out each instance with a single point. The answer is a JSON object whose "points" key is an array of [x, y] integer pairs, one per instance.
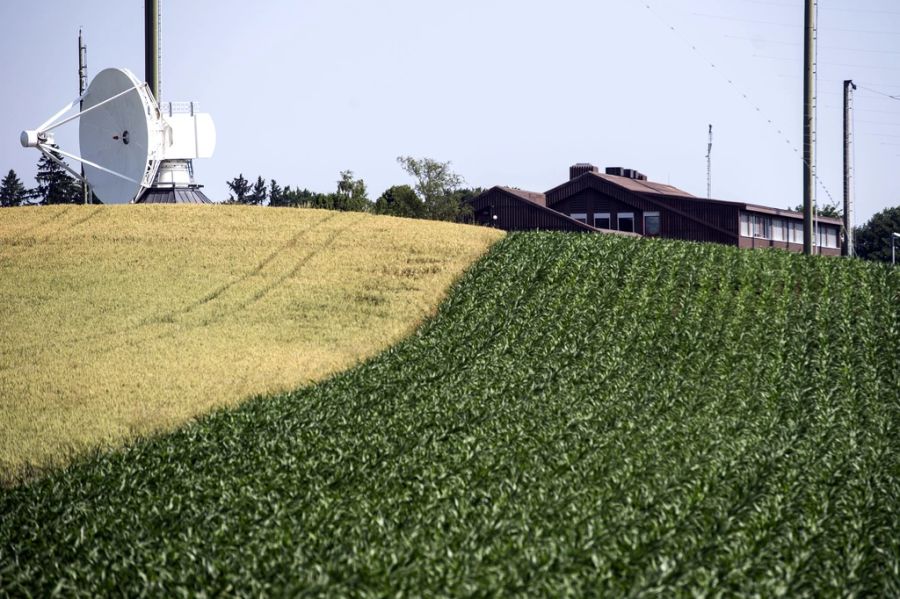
{"points": [[511, 92]]}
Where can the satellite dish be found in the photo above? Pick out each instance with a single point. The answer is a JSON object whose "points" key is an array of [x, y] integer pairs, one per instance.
{"points": [[130, 150], [124, 136]]}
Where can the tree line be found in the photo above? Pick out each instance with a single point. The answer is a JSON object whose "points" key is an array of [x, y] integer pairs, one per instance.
{"points": [[54, 186], [437, 194]]}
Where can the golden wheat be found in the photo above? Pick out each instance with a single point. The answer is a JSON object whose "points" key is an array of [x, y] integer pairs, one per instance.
{"points": [[117, 322]]}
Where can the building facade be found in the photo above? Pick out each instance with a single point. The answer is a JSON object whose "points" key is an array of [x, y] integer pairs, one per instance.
{"points": [[624, 201]]}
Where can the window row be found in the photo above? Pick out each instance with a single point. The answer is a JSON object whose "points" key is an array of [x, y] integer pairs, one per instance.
{"points": [[624, 221], [782, 229]]}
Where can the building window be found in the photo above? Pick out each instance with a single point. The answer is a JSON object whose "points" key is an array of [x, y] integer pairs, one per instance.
{"points": [[745, 224], [626, 221], [761, 225], [778, 232], [601, 220], [651, 223], [796, 232], [827, 237], [580, 217]]}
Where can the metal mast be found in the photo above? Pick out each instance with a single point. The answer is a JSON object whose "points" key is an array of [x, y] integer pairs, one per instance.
{"points": [[151, 46], [809, 124], [849, 86], [82, 87], [709, 165]]}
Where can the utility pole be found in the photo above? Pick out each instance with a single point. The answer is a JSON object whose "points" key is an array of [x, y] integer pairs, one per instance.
{"points": [[82, 87], [849, 86], [809, 124], [709, 165], [151, 46]]}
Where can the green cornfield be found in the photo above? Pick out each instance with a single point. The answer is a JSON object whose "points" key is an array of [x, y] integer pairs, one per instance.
{"points": [[586, 415]]}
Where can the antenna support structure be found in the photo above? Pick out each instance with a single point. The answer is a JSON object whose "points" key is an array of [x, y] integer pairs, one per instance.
{"points": [[125, 138]]}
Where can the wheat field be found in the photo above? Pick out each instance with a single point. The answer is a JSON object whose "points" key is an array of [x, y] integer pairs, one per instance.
{"points": [[121, 321]]}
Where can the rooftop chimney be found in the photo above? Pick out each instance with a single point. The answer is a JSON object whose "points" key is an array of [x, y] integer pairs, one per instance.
{"points": [[576, 170]]}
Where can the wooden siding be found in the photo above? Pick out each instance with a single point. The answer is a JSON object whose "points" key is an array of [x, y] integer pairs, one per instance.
{"points": [[682, 216], [721, 216], [588, 193], [517, 214], [590, 201]]}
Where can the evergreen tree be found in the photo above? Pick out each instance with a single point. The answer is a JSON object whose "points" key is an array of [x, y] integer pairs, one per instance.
{"points": [[240, 188], [12, 192], [258, 194], [277, 195], [301, 198], [54, 184]]}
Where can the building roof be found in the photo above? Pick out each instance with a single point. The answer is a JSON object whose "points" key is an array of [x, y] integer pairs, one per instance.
{"points": [[652, 188], [643, 186], [173, 195], [531, 196]]}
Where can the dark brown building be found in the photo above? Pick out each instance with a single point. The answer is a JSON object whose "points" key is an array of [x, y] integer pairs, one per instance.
{"points": [[624, 201]]}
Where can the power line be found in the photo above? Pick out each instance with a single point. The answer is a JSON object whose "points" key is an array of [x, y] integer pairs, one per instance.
{"points": [[827, 8], [791, 25], [746, 97], [830, 64], [824, 46], [879, 123], [875, 91], [855, 109]]}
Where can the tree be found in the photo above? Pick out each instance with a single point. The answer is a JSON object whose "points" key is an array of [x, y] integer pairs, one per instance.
{"points": [[257, 195], [872, 241], [400, 200], [54, 184], [435, 183], [240, 187], [12, 192], [302, 198], [462, 198], [828, 210], [277, 195], [351, 194]]}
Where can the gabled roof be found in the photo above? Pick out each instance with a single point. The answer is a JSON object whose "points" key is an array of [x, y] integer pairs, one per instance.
{"points": [[644, 186], [657, 194], [531, 196], [633, 185], [651, 190], [537, 200]]}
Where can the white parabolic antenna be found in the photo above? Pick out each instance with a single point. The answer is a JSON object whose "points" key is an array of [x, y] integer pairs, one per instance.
{"points": [[124, 137]]}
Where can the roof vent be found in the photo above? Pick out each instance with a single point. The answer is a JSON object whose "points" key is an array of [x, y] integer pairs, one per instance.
{"points": [[576, 170], [629, 173]]}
